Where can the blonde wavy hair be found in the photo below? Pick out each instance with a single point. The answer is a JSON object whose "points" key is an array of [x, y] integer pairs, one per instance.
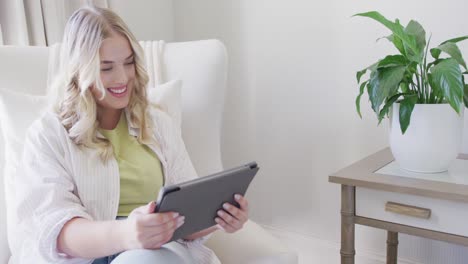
{"points": [[80, 70]]}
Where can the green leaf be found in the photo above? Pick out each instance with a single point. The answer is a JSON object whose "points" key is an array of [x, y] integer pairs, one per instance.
{"points": [[392, 61], [429, 65], [415, 29], [398, 44], [384, 82], [434, 89], [387, 106], [359, 74], [413, 67], [465, 95], [404, 86], [451, 49], [406, 108], [447, 77], [455, 40], [435, 52], [378, 17], [408, 40], [358, 98]]}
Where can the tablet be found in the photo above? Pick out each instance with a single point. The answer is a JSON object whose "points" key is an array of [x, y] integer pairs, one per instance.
{"points": [[199, 199]]}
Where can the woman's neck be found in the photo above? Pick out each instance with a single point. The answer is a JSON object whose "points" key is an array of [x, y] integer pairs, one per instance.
{"points": [[108, 118]]}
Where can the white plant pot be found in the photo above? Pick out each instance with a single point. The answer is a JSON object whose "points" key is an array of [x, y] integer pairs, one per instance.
{"points": [[432, 141]]}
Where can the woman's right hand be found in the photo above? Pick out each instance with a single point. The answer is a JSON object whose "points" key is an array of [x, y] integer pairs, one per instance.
{"points": [[145, 229]]}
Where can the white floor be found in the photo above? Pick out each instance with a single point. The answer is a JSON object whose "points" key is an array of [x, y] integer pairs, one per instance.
{"points": [[312, 250]]}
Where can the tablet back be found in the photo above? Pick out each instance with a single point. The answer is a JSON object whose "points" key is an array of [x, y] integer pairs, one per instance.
{"points": [[199, 200]]}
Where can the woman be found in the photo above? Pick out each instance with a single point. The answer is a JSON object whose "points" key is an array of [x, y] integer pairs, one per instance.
{"points": [[95, 163]]}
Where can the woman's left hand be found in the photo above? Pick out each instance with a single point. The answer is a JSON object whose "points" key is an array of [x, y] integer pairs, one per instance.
{"points": [[232, 219]]}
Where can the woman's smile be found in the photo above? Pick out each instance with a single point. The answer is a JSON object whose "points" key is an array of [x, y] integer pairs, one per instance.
{"points": [[119, 91]]}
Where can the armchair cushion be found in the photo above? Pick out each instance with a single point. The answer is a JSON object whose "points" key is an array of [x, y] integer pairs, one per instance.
{"points": [[17, 112], [167, 97]]}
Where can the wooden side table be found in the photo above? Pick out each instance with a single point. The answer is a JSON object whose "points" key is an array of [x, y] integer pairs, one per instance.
{"points": [[375, 192]]}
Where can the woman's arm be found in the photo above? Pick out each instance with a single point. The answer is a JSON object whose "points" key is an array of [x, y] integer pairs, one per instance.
{"points": [[91, 239], [94, 239]]}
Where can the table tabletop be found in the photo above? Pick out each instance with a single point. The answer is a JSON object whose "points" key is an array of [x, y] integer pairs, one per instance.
{"points": [[379, 171]]}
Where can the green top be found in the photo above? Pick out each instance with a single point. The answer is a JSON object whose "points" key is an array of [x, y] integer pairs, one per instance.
{"points": [[141, 173]]}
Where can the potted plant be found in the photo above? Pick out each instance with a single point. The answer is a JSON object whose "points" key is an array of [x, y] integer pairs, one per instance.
{"points": [[409, 89]]}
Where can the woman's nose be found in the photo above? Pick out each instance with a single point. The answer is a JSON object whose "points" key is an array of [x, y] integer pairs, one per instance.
{"points": [[121, 75]]}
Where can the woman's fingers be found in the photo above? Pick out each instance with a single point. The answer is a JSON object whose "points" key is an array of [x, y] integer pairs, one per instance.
{"points": [[147, 229], [157, 218], [235, 212], [172, 224], [153, 234], [160, 225], [225, 226], [230, 220], [167, 231], [244, 204], [150, 207], [160, 239]]}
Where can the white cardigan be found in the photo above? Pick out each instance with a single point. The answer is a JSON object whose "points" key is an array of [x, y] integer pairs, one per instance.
{"points": [[61, 181]]}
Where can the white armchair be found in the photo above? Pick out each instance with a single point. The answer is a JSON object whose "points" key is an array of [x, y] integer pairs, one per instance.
{"points": [[202, 66]]}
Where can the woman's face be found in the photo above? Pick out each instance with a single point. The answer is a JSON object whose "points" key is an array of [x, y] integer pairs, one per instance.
{"points": [[117, 72]]}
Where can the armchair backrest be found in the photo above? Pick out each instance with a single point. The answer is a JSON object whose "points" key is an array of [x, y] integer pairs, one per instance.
{"points": [[202, 67]]}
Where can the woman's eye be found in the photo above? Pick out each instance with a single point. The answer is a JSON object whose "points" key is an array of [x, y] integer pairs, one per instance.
{"points": [[130, 63], [108, 69]]}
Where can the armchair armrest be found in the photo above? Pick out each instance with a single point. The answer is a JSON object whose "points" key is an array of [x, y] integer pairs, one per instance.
{"points": [[251, 245]]}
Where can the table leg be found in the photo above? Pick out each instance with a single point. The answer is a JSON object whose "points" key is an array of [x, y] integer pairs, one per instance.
{"points": [[392, 247], [347, 224]]}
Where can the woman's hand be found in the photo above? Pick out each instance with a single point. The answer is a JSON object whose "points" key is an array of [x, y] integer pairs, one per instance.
{"points": [[145, 229], [232, 219]]}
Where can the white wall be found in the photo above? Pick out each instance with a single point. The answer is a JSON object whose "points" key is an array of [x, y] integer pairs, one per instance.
{"points": [[148, 19], [1, 35], [290, 103]]}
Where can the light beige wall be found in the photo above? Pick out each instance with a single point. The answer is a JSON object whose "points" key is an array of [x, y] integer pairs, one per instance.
{"points": [[290, 103]]}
